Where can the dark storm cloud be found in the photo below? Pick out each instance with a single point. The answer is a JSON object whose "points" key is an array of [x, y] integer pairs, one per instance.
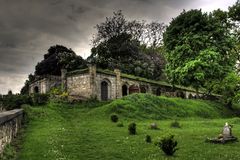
{"points": [[29, 27]]}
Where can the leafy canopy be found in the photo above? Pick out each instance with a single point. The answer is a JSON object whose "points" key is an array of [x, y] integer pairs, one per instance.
{"points": [[131, 46], [198, 48], [57, 58]]}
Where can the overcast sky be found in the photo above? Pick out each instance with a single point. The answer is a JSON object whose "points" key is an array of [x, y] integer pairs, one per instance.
{"points": [[29, 27]]}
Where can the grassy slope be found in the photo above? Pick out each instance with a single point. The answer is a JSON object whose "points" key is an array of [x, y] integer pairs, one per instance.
{"points": [[148, 106], [73, 132]]}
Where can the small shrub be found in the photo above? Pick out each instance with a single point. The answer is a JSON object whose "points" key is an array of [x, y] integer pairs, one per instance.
{"points": [[148, 139], [114, 118], [175, 124], [10, 102], [120, 124], [40, 99], [168, 145], [132, 128], [154, 126]]}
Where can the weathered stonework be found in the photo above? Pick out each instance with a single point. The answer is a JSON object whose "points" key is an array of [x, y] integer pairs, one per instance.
{"points": [[45, 84], [79, 86], [104, 85], [10, 122]]}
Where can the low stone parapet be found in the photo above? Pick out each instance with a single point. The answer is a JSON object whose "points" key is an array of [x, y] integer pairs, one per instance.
{"points": [[10, 122]]}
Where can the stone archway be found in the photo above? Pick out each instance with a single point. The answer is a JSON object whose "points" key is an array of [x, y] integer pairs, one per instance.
{"points": [[143, 89], [124, 90], [158, 92], [133, 89], [180, 94], [36, 89], [190, 96], [104, 91]]}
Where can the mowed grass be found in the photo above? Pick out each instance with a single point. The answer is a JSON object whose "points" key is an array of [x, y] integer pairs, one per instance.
{"points": [[85, 132]]}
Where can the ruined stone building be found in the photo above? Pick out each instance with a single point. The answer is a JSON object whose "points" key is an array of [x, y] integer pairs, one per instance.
{"points": [[105, 85]]}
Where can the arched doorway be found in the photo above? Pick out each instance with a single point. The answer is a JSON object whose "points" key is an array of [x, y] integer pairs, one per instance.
{"points": [[104, 91], [180, 94], [158, 92], [190, 96], [124, 90], [36, 89], [143, 89], [133, 89]]}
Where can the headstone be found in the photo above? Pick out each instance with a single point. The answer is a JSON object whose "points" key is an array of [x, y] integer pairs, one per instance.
{"points": [[153, 126], [225, 137], [226, 131]]}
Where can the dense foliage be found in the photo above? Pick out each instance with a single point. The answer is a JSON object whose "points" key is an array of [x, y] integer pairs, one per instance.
{"points": [[14, 101], [131, 46], [57, 58], [9, 102], [149, 34], [25, 88], [199, 48], [229, 88]]}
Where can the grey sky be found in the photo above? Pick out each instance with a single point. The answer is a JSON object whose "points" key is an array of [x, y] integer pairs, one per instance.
{"points": [[29, 27]]}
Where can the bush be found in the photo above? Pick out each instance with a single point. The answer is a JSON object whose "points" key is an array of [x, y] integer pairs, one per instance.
{"points": [[120, 124], [40, 99], [148, 139], [132, 128], [114, 118], [175, 124], [10, 102], [168, 145]]}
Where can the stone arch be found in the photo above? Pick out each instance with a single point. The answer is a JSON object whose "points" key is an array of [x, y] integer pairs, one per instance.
{"points": [[158, 91], [190, 96], [36, 89], [180, 94], [124, 90], [105, 89], [134, 89], [143, 89]]}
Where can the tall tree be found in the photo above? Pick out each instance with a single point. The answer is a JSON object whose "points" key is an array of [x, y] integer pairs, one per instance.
{"points": [[25, 88], [234, 15], [57, 58], [149, 34], [198, 48], [128, 55], [122, 44]]}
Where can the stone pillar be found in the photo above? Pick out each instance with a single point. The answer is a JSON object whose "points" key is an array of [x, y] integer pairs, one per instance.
{"points": [[93, 81], [64, 80], [118, 83]]}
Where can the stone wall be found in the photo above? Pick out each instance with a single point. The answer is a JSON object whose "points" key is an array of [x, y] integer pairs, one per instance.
{"points": [[79, 86], [104, 84], [10, 123], [44, 84]]}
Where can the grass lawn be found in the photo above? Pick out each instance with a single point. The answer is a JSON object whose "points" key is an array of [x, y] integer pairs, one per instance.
{"points": [[84, 131]]}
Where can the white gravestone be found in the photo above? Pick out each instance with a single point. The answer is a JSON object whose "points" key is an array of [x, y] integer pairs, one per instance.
{"points": [[226, 131]]}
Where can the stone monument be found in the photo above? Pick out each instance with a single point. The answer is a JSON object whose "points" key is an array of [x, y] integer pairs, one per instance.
{"points": [[225, 136]]}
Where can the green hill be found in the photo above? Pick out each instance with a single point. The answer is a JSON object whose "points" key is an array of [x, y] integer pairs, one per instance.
{"points": [[148, 106]]}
